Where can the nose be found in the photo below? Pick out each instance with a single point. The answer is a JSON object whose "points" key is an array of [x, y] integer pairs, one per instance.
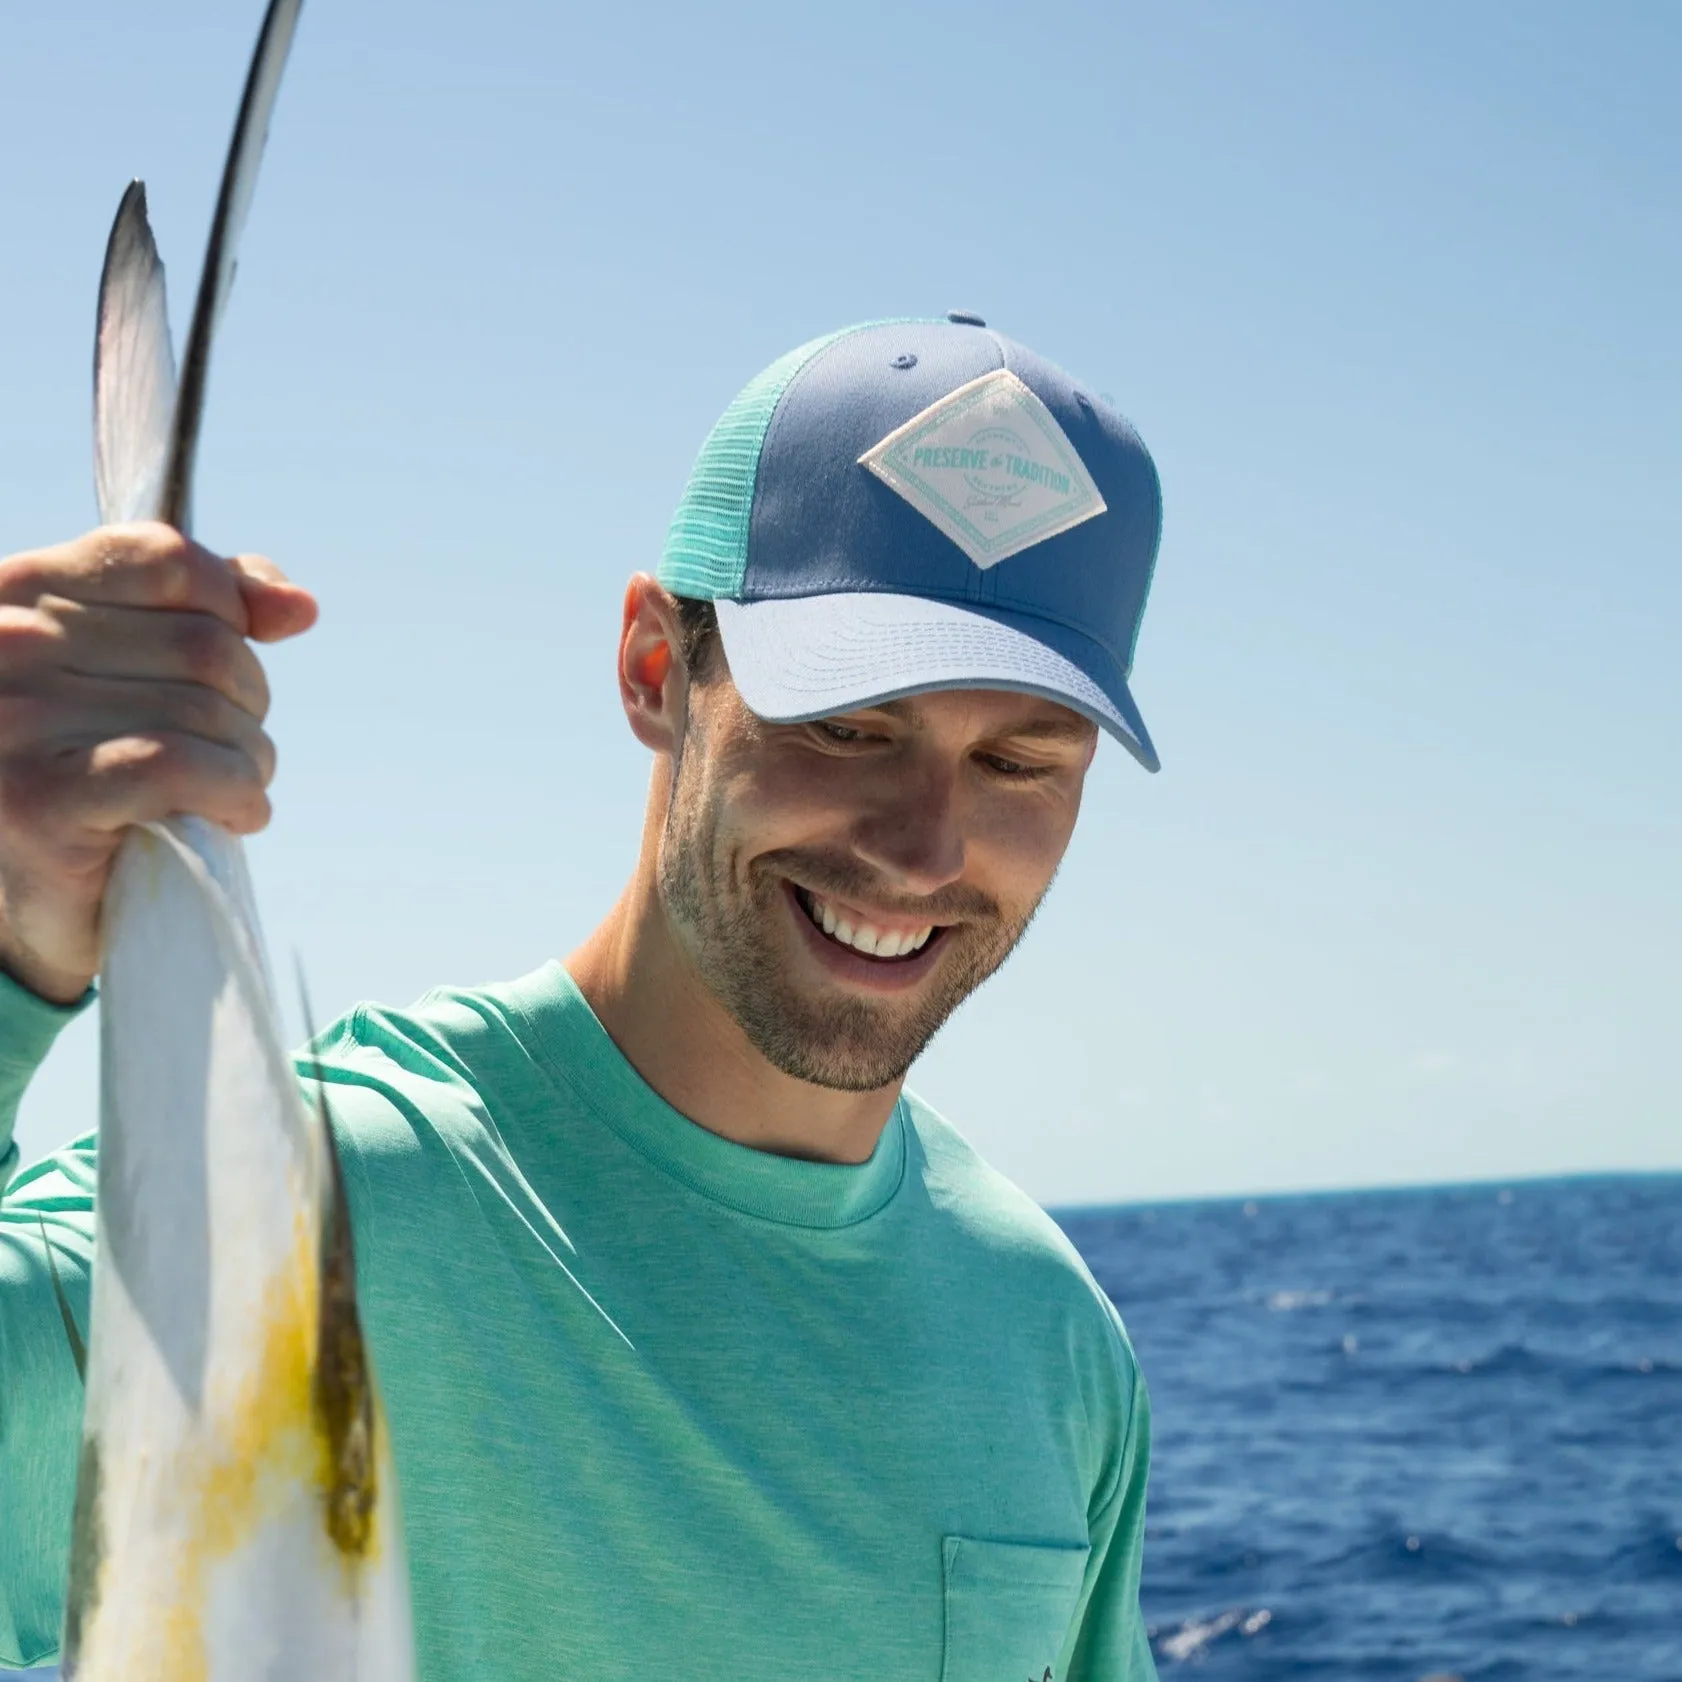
{"points": [[914, 838]]}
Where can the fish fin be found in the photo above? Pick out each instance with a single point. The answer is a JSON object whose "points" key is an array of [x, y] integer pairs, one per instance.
{"points": [[239, 181], [133, 369], [345, 1407], [78, 1349], [87, 1548], [312, 1064]]}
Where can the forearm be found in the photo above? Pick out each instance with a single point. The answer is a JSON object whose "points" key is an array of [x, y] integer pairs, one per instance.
{"points": [[28, 1026], [46, 1247]]}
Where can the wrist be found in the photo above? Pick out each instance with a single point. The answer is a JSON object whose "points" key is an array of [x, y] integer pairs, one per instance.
{"points": [[47, 981]]}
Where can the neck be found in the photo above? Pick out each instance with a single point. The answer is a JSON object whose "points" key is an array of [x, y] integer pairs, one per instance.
{"points": [[672, 1030]]}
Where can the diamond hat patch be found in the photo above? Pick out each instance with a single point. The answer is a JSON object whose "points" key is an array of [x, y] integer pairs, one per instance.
{"points": [[989, 465]]}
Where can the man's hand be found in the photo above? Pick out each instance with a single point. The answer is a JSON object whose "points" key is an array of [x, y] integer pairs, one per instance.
{"points": [[128, 692]]}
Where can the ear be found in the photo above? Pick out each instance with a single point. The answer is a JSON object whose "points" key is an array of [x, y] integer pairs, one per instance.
{"points": [[653, 685]]}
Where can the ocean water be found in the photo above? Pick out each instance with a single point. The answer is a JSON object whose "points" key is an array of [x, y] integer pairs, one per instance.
{"points": [[1410, 1434]]}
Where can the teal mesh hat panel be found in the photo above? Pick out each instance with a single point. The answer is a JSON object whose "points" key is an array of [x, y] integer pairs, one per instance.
{"points": [[707, 546]]}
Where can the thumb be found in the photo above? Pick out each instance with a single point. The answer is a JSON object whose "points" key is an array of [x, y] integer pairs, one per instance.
{"points": [[277, 607]]}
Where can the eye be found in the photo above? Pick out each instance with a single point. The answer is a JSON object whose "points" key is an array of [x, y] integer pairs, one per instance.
{"points": [[1013, 769], [833, 730]]}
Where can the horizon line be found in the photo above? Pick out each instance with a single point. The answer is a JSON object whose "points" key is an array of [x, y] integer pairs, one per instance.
{"points": [[1494, 1183]]}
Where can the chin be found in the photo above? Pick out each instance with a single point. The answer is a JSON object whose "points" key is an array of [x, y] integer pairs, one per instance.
{"points": [[829, 1036]]}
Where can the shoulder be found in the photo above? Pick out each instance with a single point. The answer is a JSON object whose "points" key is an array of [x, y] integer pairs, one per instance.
{"points": [[986, 1206], [448, 1034], [1036, 1277], [437, 1067]]}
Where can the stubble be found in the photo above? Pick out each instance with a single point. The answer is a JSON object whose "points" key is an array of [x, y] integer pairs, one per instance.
{"points": [[729, 921]]}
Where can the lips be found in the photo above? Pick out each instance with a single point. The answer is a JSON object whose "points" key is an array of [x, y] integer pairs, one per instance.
{"points": [[845, 926]]}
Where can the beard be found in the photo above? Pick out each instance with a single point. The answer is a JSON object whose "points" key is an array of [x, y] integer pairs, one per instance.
{"points": [[728, 923]]}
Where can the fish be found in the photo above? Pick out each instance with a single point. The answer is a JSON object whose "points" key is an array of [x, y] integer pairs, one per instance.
{"points": [[236, 1511]]}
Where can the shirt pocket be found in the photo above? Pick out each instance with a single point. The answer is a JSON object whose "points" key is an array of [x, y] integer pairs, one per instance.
{"points": [[1008, 1608]]}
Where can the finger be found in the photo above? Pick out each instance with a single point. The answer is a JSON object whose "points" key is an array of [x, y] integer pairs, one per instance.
{"points": [[276, 608], [147, 775], [97, 642], [141, 565], [82, 710]]}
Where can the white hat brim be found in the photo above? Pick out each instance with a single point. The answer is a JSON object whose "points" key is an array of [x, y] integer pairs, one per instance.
{"points": [[804, 657]]}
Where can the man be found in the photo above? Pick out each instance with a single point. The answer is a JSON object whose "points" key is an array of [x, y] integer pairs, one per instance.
{"points": [[708, 1351]]}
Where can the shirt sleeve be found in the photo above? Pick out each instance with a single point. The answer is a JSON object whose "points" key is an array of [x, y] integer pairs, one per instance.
{"points": [[1108, 1642], [46, 1229]]}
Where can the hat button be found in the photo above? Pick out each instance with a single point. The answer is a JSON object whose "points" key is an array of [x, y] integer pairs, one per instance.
{"points": [[965, 318]]}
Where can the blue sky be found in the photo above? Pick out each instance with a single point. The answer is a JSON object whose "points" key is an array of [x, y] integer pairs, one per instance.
{"points": [[1391, 294]]}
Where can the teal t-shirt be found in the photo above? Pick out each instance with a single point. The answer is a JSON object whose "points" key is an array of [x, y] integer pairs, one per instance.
{"points": [[663, 1407]]}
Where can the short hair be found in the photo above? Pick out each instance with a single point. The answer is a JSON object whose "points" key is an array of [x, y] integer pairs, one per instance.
{"points": [[698, 638]]}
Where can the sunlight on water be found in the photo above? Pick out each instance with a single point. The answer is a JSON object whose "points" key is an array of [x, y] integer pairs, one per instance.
{"points": [[1411, 1436]]}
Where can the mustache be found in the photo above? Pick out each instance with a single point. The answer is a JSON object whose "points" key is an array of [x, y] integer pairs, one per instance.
{"points": [[839, 876]]}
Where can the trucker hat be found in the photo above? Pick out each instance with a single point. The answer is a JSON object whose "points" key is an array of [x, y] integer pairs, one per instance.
{"points": [[922, 504]]}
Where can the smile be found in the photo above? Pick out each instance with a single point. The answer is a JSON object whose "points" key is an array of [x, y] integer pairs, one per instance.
{"points": [[846, 927]]}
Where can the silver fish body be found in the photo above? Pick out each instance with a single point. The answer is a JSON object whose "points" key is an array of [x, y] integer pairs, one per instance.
{"points": [[236, 1511]]}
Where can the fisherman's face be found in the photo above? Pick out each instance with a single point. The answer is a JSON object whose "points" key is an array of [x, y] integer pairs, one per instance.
{"points": [[842, 886]]}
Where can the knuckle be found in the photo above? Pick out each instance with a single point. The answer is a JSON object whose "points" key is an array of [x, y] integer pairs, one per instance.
{"points": [[150, 539], [26, 634], [172, 577], [196, 711], [162, 554], [187, 759], [255, 690], [222, 783], [164, 753], [23, 577], [208, 649]]}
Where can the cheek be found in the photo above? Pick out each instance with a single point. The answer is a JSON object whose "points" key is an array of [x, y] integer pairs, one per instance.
{"points": [[1014, 845], [777, 801]]}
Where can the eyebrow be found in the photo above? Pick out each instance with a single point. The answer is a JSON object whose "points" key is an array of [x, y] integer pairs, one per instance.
{"points": [[902, 710], [1073, 729]]}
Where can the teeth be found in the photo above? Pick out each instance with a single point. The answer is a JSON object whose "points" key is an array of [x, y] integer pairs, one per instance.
{"points": [[866, 937]]}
